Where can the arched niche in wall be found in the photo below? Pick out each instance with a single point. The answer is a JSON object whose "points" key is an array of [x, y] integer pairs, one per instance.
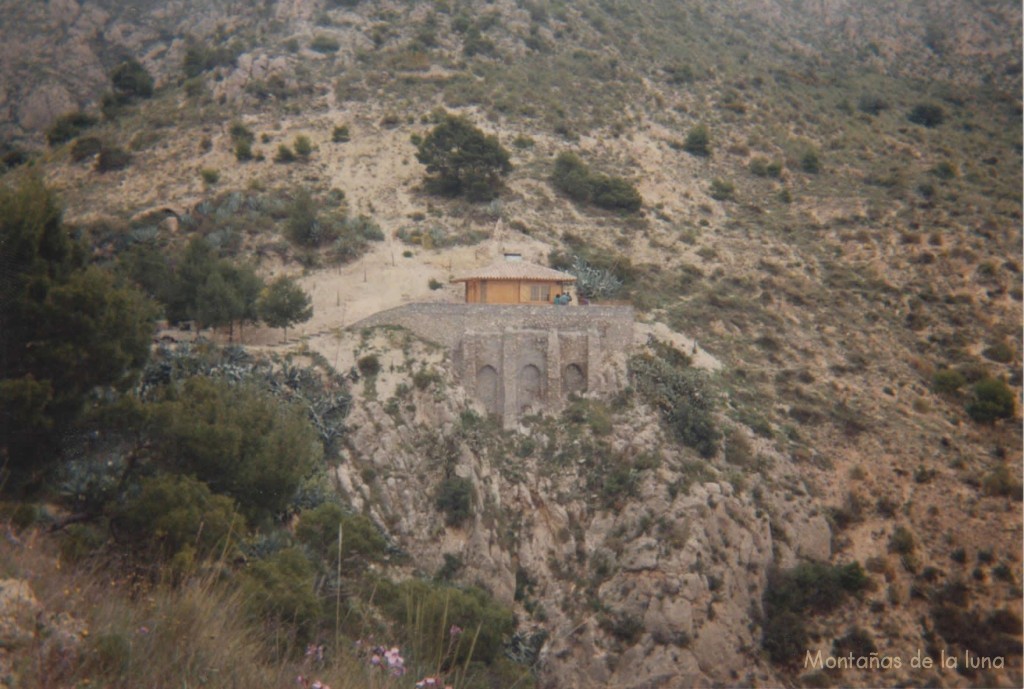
{"points": [[529, 389], [487, 389], [573, 380]]}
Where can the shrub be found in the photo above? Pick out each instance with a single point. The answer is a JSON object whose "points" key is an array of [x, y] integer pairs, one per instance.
{"points": [[698, 142], [948, 381], [239, 440], [927, 115], [303, 147], [763, 167], [131, 80], [435, 284], [615, 193], [991, 399], [1001, 352], [429, 610], [361, 541], [284, 154], [209, 175], [172, 513], [1001, 482], [572, 177], [67, 127], [624, 627], [281, 591], [11, 156], [324, 44], [340, 134], [810, 162], [738, 450], [84, 148], [425, 377], [871, 104], [113, 158], [681, 394], [365, 228], [200, 58], [784, 636], [944, 170], [369, 365], [722, 190], [304, 226], [810, 587], [968, 629], [239, 132], [454, 498], [243, 151], [902, 541], [461, 159], [857, 641]]}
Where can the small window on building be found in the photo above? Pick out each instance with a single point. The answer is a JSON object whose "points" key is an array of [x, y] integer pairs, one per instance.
{"points": [[540, 292]]}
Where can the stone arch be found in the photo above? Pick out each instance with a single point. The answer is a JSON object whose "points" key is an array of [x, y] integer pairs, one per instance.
{"points": [[487, 389], [573, 379], [529, 388]]}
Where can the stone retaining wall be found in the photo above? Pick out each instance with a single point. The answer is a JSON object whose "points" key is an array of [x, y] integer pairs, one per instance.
{"points": [[519, 360]]}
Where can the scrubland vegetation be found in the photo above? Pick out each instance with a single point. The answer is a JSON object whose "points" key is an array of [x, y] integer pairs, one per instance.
{"points": [[839, 227]]}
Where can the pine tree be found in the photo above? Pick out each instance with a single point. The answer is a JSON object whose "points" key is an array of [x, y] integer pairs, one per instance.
{"points": [[283, 304]]}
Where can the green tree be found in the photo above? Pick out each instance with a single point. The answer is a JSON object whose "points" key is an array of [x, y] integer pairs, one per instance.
{"points": [[461, 159], [193, 269], [248, 285], [131, 80], [283, 304], [65, 328], [239, 440], [218, 302], [361, 541]]}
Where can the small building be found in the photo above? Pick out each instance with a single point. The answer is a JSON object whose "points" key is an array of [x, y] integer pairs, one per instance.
{"points": [[514, 281]]}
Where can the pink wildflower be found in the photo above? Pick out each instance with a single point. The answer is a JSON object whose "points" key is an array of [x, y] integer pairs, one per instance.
{"points": [[395, 662]]}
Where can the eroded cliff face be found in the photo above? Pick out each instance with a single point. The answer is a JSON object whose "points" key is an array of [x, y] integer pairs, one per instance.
{"points": [[643, 564]]}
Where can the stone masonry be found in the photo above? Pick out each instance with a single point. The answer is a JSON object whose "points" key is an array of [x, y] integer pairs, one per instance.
{"points": [[518, 360]]}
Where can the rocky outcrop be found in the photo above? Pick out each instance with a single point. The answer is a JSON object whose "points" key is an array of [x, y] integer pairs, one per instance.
{"points": [[656, 587], [24, 622]]}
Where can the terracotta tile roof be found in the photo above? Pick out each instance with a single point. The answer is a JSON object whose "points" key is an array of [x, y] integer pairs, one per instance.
{"points": [[515, 270]]}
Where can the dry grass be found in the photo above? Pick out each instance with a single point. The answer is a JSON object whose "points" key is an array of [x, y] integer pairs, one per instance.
{"points": [[97, 628]]}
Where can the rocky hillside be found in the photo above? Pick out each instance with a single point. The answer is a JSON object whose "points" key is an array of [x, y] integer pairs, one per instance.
{"points": [[831, 214]]}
